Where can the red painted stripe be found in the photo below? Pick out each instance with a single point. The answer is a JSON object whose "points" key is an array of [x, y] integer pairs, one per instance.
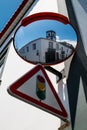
{"points": [[44, 15]]}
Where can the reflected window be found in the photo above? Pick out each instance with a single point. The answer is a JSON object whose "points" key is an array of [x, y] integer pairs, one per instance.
{"points": [[27, 48], [34, 46], [51, 45], [57, 46]]}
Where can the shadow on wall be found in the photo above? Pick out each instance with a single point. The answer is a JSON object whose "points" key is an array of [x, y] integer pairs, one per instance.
{"points": [[83, 3], [77, 70]]}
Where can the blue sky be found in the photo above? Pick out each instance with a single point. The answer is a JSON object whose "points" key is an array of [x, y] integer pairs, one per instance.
{"points": [[38, 29], [7, 9]]}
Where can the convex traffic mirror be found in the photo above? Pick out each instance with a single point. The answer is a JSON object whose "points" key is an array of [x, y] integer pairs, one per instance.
{"points": [[46, 38]]}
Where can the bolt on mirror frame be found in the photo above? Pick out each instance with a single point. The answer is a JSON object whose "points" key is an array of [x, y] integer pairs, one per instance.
{"points": [[45, 16]]}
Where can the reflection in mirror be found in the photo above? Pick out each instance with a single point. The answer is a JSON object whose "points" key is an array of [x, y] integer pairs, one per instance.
{"points": [[45, 41]]}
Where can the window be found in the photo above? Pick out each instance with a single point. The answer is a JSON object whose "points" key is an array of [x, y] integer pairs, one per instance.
{"points": [[37, 53], [57, 46], [51, 45], [34, 46], [27, 48]]}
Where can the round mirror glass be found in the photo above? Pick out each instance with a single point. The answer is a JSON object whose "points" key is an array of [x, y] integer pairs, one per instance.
{"points": [[45, 41]]}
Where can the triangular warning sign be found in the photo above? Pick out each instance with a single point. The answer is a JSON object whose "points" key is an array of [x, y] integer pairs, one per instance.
{"points": [[36, 88]]}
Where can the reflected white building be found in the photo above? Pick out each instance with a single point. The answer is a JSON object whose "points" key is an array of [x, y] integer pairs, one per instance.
{"points": [[46, 50]]}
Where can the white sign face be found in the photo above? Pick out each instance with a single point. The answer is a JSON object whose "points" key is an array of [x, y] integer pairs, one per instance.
{"points": [[36, 88]]}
